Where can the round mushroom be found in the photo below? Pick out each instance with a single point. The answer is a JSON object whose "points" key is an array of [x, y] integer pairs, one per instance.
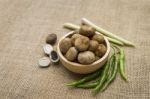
{"points": [[65, 44], [93, 45], [74, 37], [101, 50], [87, 30], [51, 38], [71, 54], [82, 43], [97, 58], [98, 38], [86, 57]]}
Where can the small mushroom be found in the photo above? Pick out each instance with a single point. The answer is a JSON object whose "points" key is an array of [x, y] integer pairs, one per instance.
{"points": [[51, 38], [97, 58], [101, 50], [87, 30], [93, 45], [86, 57], [98, 38], [65, 44], [82, 43], [74, 37], [71, 54]]}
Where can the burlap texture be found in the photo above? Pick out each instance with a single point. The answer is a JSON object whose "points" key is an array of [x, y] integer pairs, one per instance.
{"points": [[24, 25]]}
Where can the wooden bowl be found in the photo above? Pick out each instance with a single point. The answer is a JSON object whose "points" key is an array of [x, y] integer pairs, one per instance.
{"points": [[80, 68]]}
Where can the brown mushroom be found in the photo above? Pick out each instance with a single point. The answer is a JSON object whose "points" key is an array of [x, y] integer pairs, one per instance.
{"points": [[97, 58], [65, 44], [87, 30], [86, 57], [93, 45], [82, 43], [98, 38], [101, 50], [74, 37], [71, 54], [51, 38]]}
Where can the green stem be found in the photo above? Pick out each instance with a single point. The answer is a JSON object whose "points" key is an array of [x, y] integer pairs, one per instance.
{"points": [[71, 26], [114, 41], [105, 32]]}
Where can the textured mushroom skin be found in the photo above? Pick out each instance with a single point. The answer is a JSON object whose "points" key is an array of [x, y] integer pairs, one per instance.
{"points": [[74, 37], [86, 57], [101, 50], [98, 38], [65, 44], [93, 45], [83, 46], [97, 58], [71, 54], [51, 38], [87, 30], [82, 43]]}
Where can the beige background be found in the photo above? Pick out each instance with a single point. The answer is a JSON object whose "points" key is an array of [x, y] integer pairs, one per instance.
{"points": [[24, 25]]}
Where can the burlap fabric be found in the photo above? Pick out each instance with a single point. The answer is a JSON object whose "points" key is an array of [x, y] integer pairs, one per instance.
{"points": [[24, 25]]}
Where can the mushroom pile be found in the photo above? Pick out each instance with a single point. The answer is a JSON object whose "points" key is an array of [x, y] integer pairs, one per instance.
{"points": [[83, 46]]}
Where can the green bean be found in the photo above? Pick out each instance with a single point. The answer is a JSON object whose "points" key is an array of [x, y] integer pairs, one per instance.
{"points": [[121, 64], [102, 78], [111, 65], [87, 85], [106, 72], [85, 79], [114, 72]]}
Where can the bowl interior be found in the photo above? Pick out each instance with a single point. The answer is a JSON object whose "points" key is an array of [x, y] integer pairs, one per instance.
{"points": [[78, 64]]}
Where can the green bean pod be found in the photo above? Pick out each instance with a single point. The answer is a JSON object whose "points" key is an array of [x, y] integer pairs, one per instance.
{"points": [[102, 78], [111, 66], [114, 72], [121, 64], [87, 85], [85, 79]]}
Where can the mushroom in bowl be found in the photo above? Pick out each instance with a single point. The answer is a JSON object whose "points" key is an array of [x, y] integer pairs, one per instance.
{"points": [[81, 56]]}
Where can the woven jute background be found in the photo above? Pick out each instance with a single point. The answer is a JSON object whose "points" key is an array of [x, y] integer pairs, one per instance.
{"points": [[24, 24]]}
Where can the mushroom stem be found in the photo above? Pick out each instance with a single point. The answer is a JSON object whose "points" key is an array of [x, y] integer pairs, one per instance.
{"points": [[107, 33], [76, 27]]}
